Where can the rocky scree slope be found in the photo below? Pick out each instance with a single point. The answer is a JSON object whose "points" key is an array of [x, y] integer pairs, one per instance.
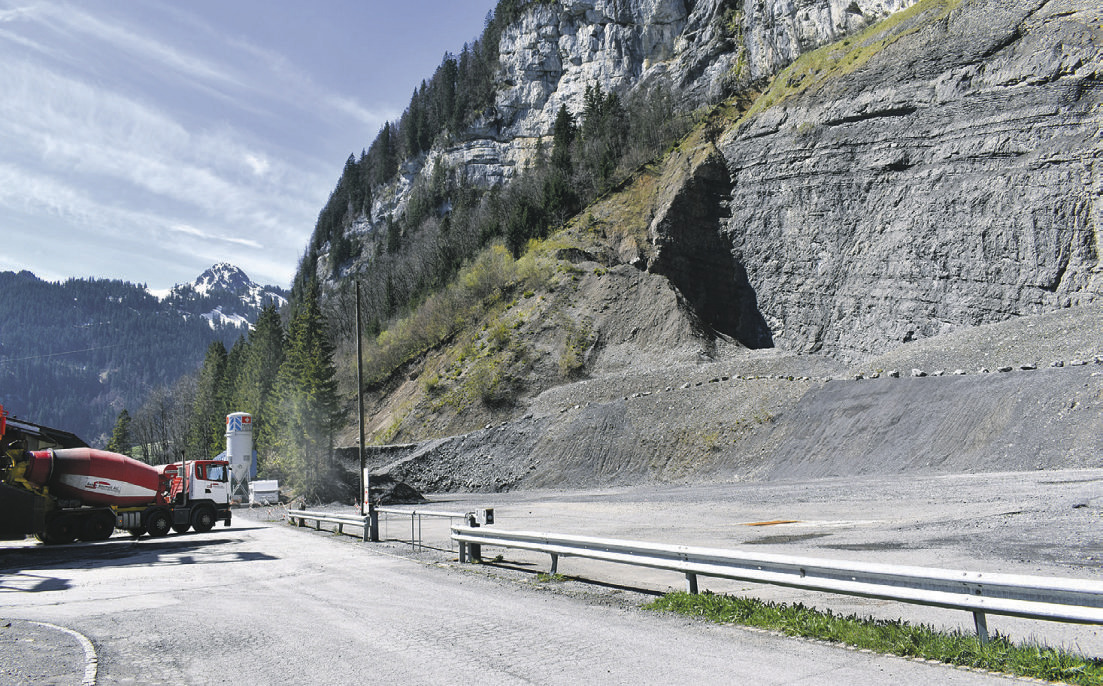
{"points": [[769, 415]]}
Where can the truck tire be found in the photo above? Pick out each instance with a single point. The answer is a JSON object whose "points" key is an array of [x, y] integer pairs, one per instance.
{"points": [[97, 526], [61, 529], [158, 522], [203, 519]]}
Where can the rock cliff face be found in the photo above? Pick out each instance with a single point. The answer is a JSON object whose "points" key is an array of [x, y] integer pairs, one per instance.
{"points": [[952, 179], [939, 170], [700, 49]]}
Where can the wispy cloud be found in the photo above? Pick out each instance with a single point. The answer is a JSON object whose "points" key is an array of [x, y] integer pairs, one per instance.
{"points": [[75, 128], [116, 126], [208, 236], [141, 47]]}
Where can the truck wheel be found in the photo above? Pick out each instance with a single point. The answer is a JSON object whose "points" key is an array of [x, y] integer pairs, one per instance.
{"points": [[97, 527], [61, 529], [158, 523], [202, 520]]}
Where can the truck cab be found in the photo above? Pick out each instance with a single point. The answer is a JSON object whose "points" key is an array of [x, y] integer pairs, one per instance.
{"points": [[201, 487]]}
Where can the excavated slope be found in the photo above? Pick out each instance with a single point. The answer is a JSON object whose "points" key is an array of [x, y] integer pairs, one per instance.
{"points": [[772, 415]]}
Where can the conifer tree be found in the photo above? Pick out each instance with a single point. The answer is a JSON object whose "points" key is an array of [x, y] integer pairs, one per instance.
{"points": [[209, 409], [261, 360], [120, 435], [309, 412], [559, 198], [235, 361]]}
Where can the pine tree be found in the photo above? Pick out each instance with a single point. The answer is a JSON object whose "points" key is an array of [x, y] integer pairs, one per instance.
{"points": [[563, 133], [559, 198], [120, 435], [261, 360], [209, 409], [309, 413]]}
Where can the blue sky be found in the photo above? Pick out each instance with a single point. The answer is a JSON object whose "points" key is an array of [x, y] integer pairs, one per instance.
{"points": [[146, 140]]}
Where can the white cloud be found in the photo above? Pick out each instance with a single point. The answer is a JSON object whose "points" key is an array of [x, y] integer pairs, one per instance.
{"points": [[74, 128], [257, 163], [143, 48], [129, 137], [214, 236]]}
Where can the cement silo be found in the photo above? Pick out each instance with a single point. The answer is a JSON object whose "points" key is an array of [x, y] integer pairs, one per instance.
{"points": [[239, 450]]}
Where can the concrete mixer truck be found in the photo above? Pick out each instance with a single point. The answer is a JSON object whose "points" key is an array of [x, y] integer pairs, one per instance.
{"points": [[57, 489]]}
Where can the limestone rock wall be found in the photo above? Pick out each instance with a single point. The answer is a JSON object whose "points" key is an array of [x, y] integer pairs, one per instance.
{"points": [[951, 181], [779, 32], [699, 48]]}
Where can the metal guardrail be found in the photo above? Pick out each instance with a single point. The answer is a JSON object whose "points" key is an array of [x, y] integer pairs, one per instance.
{"points": [[300, 517], [1054, 599], [369, 524]]}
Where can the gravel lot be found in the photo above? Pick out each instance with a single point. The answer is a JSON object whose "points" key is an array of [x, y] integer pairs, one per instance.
{"points": [[1037, 523]]}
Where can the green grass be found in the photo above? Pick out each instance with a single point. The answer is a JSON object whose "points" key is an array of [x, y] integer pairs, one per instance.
{"points": [[846, 56], [890, 637]]}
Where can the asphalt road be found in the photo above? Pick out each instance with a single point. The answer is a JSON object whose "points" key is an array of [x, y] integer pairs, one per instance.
{"points": [[264, 603]]}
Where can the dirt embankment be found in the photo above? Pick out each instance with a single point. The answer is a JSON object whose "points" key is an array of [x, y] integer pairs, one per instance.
{"points": [[769, 415]]}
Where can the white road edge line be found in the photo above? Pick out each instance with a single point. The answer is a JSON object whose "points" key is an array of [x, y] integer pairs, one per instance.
{"points": [[91, 662]]}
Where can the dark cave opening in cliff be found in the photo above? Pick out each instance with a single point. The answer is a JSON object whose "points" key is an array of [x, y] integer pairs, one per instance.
{"points": [[698, 258], [716, 286]]}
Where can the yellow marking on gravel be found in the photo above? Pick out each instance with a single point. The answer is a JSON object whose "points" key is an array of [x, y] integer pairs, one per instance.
{"points": [[772, 523]]}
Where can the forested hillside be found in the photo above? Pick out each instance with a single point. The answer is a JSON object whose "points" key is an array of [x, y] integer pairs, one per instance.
{"points": [[74, 354]]}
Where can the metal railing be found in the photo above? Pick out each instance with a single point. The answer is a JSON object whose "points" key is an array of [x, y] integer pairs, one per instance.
{"points": [[300, 518], [369, 524], [416, 516], [1054, 599]]}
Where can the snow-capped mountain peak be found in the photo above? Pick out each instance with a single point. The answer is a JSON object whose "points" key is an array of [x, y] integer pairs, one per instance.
{"points": [[223, 276], [224, 295]]}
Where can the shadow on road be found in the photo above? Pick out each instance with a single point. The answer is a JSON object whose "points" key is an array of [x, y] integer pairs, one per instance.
{"points": [[527, 568], [116, 552]]}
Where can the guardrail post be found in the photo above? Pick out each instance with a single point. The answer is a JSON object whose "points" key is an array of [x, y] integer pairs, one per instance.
{"points": [[555, 563], [474, 550], [691, 583], [981, 623], [373, 524]]}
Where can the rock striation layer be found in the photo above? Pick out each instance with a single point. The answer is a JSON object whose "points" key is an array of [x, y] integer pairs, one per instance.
{"points": [[951, 180]]}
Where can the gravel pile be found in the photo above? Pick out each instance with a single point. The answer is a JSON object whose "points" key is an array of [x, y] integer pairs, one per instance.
{"points": [[768, 415]]}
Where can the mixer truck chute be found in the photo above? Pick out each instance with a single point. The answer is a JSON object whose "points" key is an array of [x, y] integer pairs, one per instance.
{"points": [[60, 494]]}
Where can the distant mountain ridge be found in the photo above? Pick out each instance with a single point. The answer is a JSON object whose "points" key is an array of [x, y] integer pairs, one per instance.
{"points": [[224, 295], [75, 353]]}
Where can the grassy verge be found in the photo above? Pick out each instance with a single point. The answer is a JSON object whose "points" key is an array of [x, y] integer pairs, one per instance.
{"points": [[891, 637]]}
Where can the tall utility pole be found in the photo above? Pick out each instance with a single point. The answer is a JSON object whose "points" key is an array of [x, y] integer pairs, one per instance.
{"points": [[360, 406]]}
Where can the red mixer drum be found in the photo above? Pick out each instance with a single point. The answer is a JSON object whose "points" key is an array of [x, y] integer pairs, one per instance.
{"points": [[95, 477]]}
